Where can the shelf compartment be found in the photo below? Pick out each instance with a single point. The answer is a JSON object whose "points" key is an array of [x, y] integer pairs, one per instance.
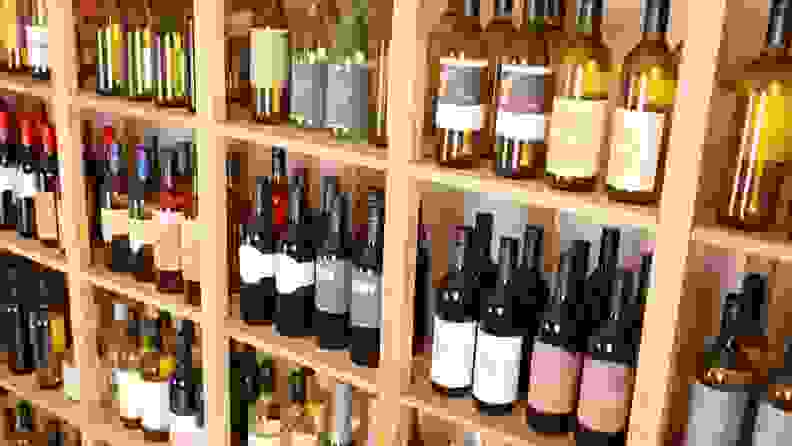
{"points": [[743, 242], [305, 352], [145, 293], [25, 387], [537, 194], [462, 412], [33, 250], [146, 111], [23, 84]]}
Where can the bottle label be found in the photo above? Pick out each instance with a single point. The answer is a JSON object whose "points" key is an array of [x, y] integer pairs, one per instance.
{"points": [[606, 391], [309, 83], [254, 265], [636, 139], [497, 368], [46, 216], [576, 133], [521, 102], [768, 112], [333, 282], [43, 46], [715, 416], [190, 251], [146, 61], [271, 49], [114, 52], [553, 387], [156, 412], [293, 275], [135, 398], [168, 245], [366, 303], [453, 345], [122, 388], [460, 102], [347, 96], [772, 426], [29, 187], [29, 45], [660, 91], [7, 177]]}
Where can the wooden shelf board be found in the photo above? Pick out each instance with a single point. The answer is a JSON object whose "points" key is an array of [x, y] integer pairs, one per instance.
{"points": [[317, 144], [595, 206], [142, 292], [462, 412], [33, 250], [144, 110], [744, 242], [305, 352], [25, 387], [24, 84]]}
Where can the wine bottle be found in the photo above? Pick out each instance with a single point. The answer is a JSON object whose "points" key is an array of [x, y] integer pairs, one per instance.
{"points": [[343, 414], [48, 224], [773, 423], [172, 206], [455, 324], [22, 358], [111, 77], [190, 72], [499, 339], [365, 312], [280, 188], [17, 56], [556, 359], [296, 276], [171, 83], [28, 183], [140, 256], [39, 37], [423, 294], [267, 410], [600, 281], [522, 95], [139, 56], [257, 256], [158, 364], [534, 294], [756, 173], [182, 403], [347, 110], [23, 423], [579, 108], [334, 277], [238, 211], [48, 330], [640, 127], [121, 347], [609, 367], [8, 167], [461, 82], [269, 44], [486, 272], [378, 122]]}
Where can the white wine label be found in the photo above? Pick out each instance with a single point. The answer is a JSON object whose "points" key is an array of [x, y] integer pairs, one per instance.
{"points": [[715, 417], [135, 397], [309, 85], [29, 44], [156, 412], [366, 304], [7, 176], [453, 345], [347, 96], [254, 265], [43, 48], [773, 426], [635, 143], [293, 275], [29, 187], [576, 133], [459, 117], [497, 368], [528, 127], [333, 281]]}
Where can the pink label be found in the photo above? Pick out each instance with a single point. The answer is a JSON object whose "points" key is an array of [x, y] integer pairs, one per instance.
{"points": [[168, 218], [182, 438], [521, 104], [551, 368], [603, 382]]}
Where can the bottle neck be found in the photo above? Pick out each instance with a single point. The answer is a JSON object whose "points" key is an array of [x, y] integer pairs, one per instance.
{"points": [[590, 26]]}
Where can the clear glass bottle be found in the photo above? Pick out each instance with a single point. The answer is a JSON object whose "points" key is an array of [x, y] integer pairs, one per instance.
{"points": [[140, 56], [158, 364], [111, 78], [269, 45], [170, 62], [577, 129]]}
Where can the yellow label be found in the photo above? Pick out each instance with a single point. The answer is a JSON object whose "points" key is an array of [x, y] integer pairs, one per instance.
{"points": [[136, 229], [146, 39], [166, 366], [576, 133], [595, 81], [660, 90], [57, 332], [313, 408]]}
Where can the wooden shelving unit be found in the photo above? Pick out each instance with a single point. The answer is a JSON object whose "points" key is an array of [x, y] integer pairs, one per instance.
{"points": [[394, 382]]}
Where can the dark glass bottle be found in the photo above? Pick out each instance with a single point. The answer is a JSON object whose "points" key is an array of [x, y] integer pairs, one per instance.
{"points": [[238, 208], [485, 272], [141, 260], [365, 312], [499, 339], [773, 422], [269, 44], [47, 349], [579, 108], [280, 188], [8, 168], [460, 82], [334, 277], [48, 225], [23, 424], [455, 324], [29, 183], [182, 392], [762, 96], [556, 360], [534, 292], [257, 257], [600, 281], [172, 206], [296, 276], [641, 124], [608, 376], [423, 294]]}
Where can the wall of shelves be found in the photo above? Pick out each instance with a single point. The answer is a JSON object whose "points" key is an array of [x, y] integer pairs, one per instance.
{"points": [[682, 222]]}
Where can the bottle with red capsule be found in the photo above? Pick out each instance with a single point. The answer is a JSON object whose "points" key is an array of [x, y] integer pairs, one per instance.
{"points": [[28, 178], [48, 221], [8, 167]]}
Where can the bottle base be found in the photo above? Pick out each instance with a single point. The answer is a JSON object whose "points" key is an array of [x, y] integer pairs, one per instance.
{"points": [[156, 436], [293, 313], [638, 198], [571, 184], [364, 347], [587, 437], [131, 423], [550, 423], [457, 392], [493, 410], [332, 330], [256, 303]]}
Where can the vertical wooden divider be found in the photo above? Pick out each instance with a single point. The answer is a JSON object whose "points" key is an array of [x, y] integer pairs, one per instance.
{"points": [[393, 375], [210, 47], [658, 366], [84, 312]]}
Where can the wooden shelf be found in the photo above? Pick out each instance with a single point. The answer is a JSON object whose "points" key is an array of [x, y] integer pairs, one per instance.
{"points": [[317, 144], [463, 412], [144, 110], [25, 387], [145, 293], [24, 84], [743, 242], [536, 193], [305, 352], [33, 250]]}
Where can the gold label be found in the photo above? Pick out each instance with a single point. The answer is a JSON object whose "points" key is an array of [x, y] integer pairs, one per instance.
{"points": [[660, 91], [635, 145], [595, 81], [46, 216], [57, 332], [576, 132]]}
